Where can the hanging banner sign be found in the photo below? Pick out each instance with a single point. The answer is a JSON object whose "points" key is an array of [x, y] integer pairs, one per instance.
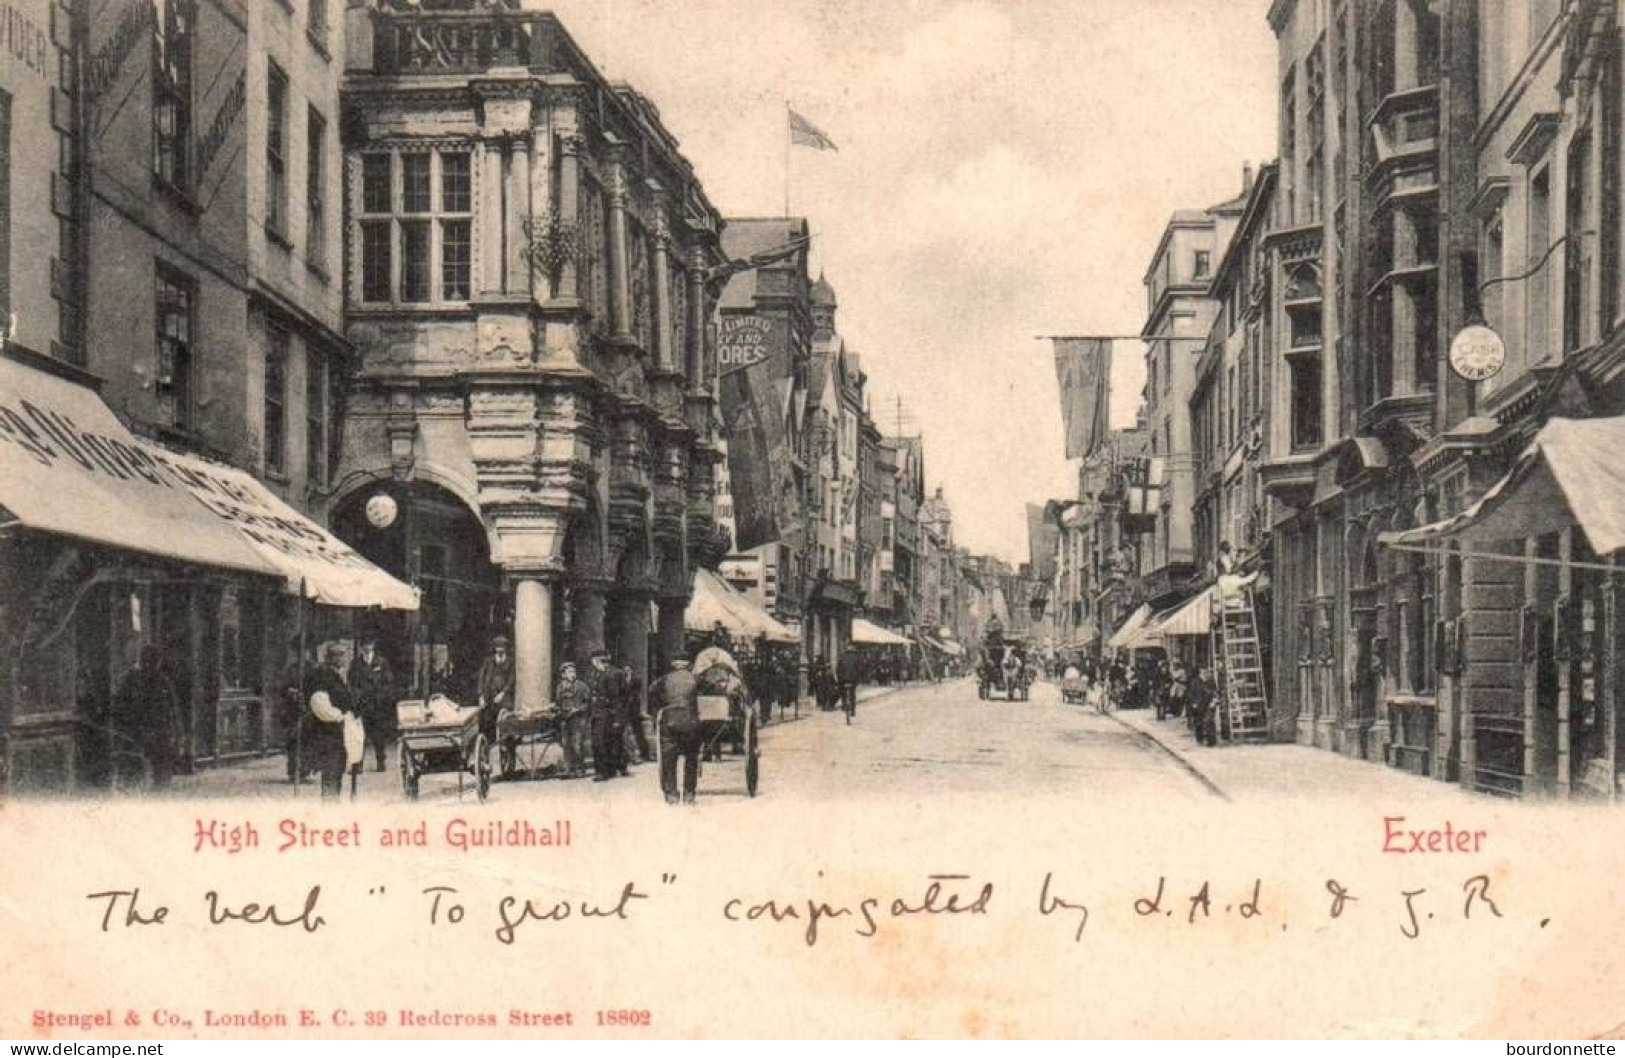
{"points": [[745, 340]]}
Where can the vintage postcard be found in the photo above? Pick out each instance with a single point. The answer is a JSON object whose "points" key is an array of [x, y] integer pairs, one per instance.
{"points": [[923, 518]]}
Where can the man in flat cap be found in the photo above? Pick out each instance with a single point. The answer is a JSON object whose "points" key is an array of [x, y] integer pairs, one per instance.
{"points": [[674, 698], [495, 685], [571, 702], [330, 702]]}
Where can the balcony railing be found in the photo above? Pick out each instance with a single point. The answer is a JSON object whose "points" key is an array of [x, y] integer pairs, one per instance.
{"points": [[460, 37]]}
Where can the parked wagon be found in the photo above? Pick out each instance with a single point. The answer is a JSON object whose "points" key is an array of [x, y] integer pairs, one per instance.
{"points": [[1073, 687], [438, 736], [525, 738]]}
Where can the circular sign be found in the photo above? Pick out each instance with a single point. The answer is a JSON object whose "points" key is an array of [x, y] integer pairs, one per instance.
{"points": [[382, 510], [1477, 353]]}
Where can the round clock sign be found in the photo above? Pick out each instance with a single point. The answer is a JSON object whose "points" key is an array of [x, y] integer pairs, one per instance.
{"points": [[382, 510], [1477, 353]]}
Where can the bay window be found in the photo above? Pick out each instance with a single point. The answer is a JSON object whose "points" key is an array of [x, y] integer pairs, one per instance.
{"points": [[415, 227]]}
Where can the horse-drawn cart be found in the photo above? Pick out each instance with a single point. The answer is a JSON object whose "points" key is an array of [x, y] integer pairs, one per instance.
{"points": [[439, 736]]}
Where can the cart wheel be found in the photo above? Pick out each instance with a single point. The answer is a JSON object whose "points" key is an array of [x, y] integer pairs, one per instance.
{"points": [[482, 766], [509, 756], [753, 757], [409, 774]]}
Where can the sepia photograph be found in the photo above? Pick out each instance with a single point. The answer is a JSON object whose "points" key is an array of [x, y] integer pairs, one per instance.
{"points": [[835, 518]]}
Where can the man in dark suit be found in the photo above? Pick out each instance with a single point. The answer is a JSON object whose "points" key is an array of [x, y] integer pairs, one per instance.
{"points": [[849, 671], [677, 719], [372, 686], [495, 685], [606, 705], [330, 701]]}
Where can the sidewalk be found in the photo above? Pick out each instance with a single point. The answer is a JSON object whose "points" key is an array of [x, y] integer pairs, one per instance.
{"points": [[1278, 769]]}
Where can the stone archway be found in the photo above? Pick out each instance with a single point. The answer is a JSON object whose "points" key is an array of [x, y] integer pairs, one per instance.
{"points": [[437, 541]]}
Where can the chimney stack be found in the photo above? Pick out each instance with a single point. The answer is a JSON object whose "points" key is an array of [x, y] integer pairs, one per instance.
{"points": [[1246, 177]]}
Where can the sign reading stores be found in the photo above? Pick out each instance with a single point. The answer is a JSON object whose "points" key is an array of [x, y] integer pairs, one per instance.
{"points": [[744, 341], [54, 441]]}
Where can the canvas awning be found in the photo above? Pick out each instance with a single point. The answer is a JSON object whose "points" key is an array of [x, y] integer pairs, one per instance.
{"points": [[867, 633], [1195, 617], [1571, 474], [950, 647], [307, 557], [716, 602], [1135, 632], [69, 467]]}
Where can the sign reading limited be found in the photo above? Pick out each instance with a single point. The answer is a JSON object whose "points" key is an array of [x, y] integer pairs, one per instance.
{"points": [[744, 341]]}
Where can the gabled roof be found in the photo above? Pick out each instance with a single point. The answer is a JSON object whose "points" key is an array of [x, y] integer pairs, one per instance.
{"points": [[747, 236]]}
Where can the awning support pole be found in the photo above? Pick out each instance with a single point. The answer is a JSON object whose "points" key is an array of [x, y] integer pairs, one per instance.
{"points": [[299, 714]]}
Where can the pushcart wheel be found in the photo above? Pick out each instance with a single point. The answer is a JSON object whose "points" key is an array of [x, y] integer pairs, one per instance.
{"points": [[482, 766], [753, 757], [409, 774]]}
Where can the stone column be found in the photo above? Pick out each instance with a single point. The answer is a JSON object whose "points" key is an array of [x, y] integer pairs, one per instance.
{"points": [[488, 221], [665, 356], [629, 629], [570, 146], [670, 634], [517, 267], [589, 622], [533, 642], [620, 280], [695, 353]]}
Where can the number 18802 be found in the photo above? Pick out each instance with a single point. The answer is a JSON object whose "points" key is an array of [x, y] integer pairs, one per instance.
{"points": [[625, 1017]]}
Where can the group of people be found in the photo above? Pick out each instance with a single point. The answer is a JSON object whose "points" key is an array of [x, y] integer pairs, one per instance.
{"points": [[332, 713], [1172, 688], [600, 716], [836, 686]]}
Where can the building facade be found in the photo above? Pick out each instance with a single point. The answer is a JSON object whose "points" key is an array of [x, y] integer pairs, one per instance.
{"points": [[193, 287], [526, 263], [1180, 315], [765, 334]]}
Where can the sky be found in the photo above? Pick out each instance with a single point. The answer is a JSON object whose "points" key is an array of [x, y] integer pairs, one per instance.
{"points": [[1004, 170]]}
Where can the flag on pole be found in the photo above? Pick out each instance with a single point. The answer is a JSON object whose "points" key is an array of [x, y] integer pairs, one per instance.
{"points": [[804, 134], [1083, 369]]}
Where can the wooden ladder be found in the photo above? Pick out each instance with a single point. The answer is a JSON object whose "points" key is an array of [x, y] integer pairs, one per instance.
{"points": [[1236, 648]]}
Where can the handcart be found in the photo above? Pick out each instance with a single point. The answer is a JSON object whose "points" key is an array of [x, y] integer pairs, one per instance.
{"points": [[439, 736], [524, 739]]}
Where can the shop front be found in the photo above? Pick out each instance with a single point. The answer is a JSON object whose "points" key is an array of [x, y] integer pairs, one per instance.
{"points": [[119, 555], [1552, 528]]}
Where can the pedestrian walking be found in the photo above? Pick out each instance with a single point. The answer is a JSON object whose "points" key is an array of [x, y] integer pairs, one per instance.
{"points": [[372, 687], [1095, 697], [292, 698], [1203, 709], [606, 708], [571, 703], [848, 670], [329, 705], [787, 680], [146, 715], [677, 721], [637, 738], [1178, 687]]}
